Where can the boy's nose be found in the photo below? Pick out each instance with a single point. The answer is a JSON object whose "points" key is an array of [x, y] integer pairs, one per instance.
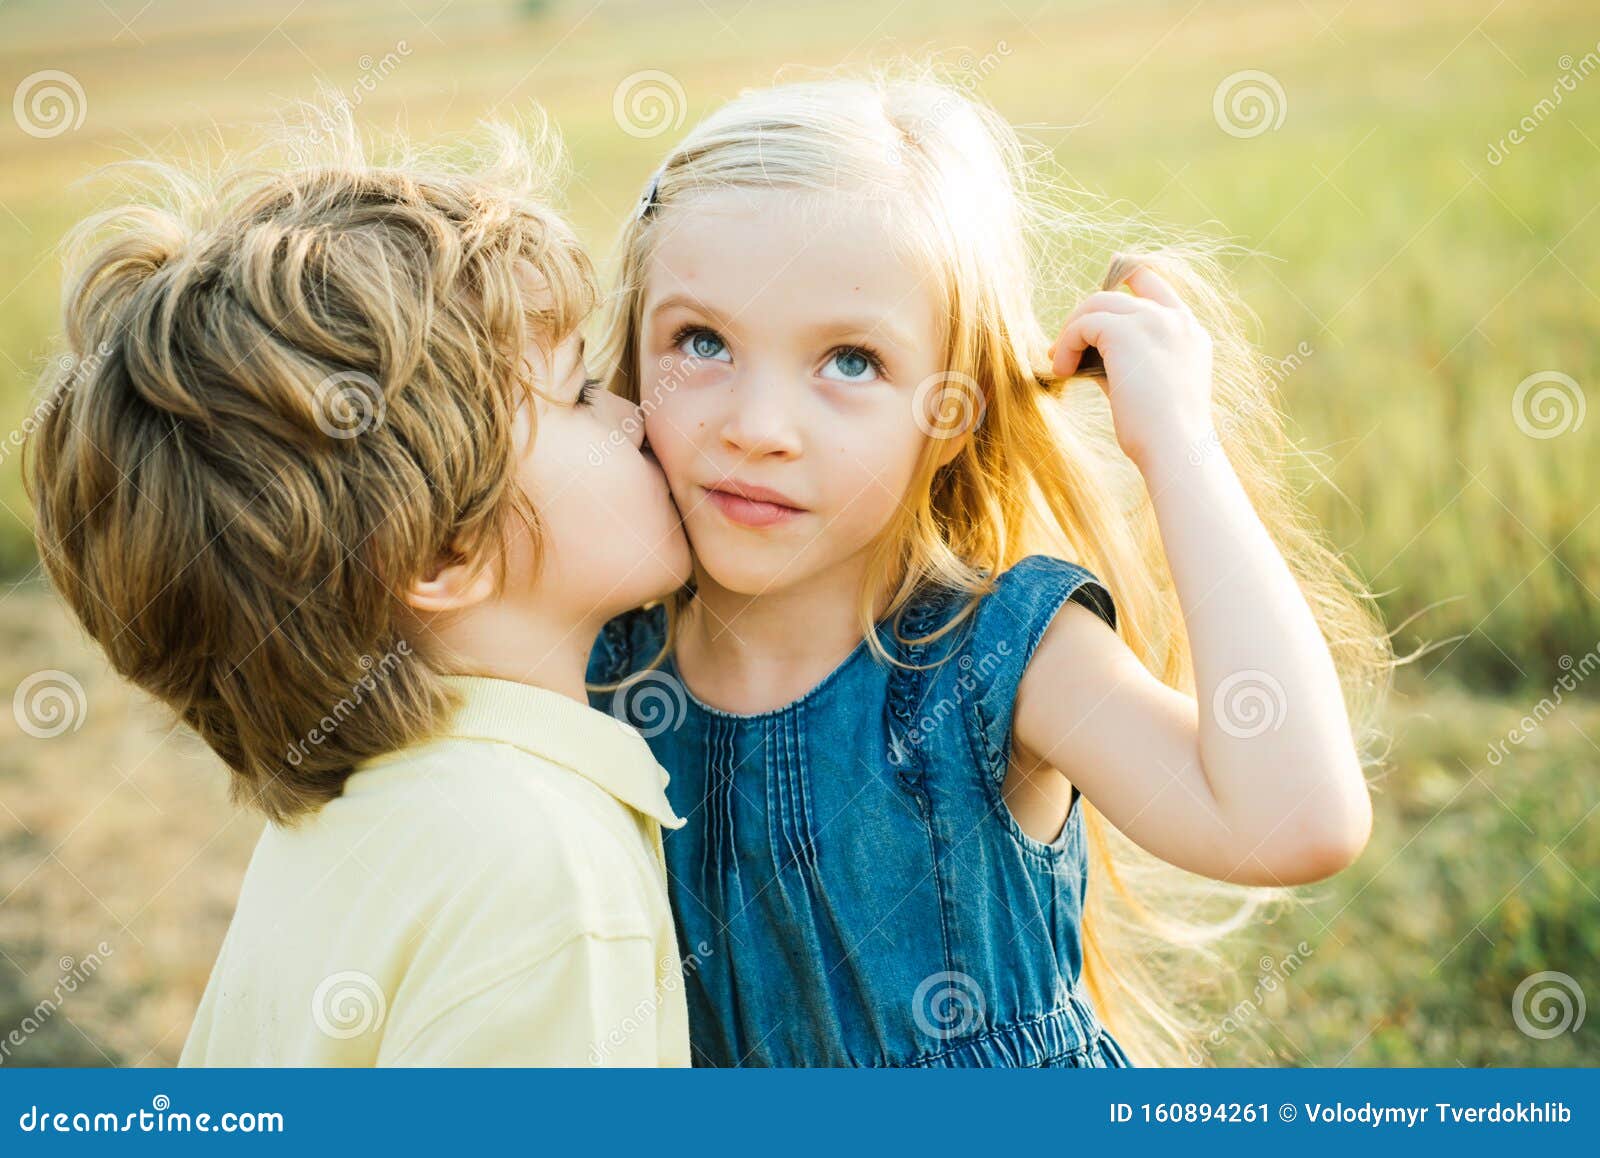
{"points": [[626, 417]]}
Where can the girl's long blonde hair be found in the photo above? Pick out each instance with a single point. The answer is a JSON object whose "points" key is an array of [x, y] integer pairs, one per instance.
{"points": [[1041, 470]]}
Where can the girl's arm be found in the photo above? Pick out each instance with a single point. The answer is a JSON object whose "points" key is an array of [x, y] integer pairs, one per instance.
{"points": [[1258, 782]]}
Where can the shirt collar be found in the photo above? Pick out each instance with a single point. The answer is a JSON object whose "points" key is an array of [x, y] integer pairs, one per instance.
{"points": [[554, 727]]}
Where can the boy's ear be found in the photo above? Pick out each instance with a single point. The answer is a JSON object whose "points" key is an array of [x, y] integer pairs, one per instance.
{"points": [[453, 583]]}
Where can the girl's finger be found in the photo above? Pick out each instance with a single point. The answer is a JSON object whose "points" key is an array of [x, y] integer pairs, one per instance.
{"points": [[1099, 302], [1086, 330], [1147, 283], [1104, 301]]}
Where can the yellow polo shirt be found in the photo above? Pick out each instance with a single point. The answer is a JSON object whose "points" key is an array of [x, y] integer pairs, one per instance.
{"points": [[494, 896]]}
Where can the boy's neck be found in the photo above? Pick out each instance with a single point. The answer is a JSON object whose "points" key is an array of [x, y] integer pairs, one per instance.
{"points": [[509, 644]]}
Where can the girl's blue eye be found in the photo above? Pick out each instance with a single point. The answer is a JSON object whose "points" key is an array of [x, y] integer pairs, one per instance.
{"points": [[703, 344], [852, 365]]}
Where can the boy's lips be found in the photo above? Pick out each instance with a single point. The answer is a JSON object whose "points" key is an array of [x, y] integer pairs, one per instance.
{"points": [[752, 506]]}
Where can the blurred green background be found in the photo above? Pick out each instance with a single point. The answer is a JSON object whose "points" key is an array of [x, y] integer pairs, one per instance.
{"points": [[1431, 277]]}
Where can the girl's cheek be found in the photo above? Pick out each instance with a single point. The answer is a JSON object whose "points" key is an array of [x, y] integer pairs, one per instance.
{"points": [[676, 417]]}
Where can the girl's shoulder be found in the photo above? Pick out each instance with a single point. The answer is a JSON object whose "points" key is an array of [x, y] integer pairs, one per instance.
{"points": [[628, 644]]}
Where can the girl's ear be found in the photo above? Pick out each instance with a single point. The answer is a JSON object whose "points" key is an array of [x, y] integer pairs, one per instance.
{"points": [[949, 448], [453, 583]]}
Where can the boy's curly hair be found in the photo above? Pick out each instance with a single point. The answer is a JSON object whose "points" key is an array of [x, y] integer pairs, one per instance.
{"points": [[286, 393]]}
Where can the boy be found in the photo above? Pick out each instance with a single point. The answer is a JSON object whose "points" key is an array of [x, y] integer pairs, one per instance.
{"points": [[320, 476]]}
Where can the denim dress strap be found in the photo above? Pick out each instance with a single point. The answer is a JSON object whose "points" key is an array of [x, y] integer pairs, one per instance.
{"points": [[1007, 629]]}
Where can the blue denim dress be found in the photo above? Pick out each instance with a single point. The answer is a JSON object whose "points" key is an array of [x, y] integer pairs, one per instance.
{"points": [[851, 889]]}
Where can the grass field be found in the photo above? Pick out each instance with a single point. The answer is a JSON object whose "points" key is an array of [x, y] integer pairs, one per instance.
{"points": [[1436, 276]]}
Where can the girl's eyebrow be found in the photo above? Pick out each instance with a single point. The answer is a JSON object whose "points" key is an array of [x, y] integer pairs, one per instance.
{"points": [[688, 302], [879, 329]]}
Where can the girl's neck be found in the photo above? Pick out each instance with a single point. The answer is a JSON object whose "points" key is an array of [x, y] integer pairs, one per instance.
{"points": [[754, 653]]}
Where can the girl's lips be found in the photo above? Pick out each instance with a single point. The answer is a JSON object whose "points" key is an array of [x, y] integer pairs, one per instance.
{"points": [[751, 512]]}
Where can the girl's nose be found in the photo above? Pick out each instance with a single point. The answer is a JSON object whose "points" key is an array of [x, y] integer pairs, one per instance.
{"points": [[758, 424]]}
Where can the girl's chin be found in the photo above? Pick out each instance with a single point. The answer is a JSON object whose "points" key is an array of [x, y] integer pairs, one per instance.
{"points": [[739, 569]]}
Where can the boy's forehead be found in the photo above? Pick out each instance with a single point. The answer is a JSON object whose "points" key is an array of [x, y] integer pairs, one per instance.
{"points": [[534, 284], [540, 297]]}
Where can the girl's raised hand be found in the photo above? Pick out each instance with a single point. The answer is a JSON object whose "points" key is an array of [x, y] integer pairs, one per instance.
{"points": [[1157, 361]]}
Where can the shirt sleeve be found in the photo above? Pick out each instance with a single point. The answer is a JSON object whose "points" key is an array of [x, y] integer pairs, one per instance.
{"points": [[592, 1002]]}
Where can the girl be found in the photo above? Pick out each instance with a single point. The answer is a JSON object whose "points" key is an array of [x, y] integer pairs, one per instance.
{"points": [[950, 613]]}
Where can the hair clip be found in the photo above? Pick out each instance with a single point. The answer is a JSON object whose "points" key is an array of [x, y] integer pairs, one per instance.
{"points": [[648, 201]]}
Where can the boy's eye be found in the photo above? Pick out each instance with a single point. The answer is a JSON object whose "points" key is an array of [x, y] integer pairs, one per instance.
{"points": [[852, 364], [586, 391], [703, 344]]}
